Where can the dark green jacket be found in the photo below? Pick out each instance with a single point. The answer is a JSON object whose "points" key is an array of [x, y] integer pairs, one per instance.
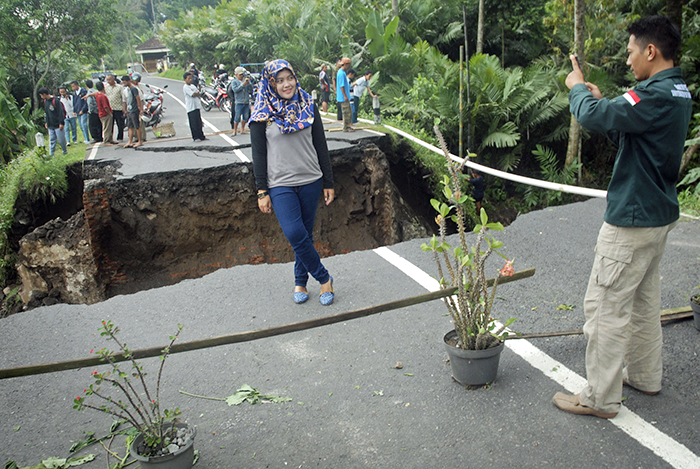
{"points": [[649, 125]]}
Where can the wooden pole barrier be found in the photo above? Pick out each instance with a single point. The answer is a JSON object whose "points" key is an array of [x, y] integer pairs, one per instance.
{"points": [[246, 336], [673, 314]]}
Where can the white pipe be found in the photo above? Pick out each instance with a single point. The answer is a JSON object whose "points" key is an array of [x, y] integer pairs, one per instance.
{"points": [[511, 177]]}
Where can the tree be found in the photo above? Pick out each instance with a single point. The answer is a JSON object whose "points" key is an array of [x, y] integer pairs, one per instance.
{"points": [[574, 147], [34, 34], [480, 29]]}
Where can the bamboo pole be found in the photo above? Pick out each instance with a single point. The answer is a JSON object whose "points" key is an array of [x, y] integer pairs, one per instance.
{"points": [[246, 336], [667, 315]]}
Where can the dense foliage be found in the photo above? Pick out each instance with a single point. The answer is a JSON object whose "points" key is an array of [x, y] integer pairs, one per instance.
{"points": [[519, 109]]}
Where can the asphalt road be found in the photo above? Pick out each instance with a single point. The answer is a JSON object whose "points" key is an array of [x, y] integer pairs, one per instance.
{"points": [[351, 407]]}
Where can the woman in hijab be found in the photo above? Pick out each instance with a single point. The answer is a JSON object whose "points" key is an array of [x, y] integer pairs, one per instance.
{"points": [[292, 168]]}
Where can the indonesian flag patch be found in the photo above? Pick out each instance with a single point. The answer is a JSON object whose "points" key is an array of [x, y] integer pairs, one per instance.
{"points": [[631, 97]]}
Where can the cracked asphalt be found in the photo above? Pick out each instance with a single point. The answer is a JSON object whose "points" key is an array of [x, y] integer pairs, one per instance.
{"points": [[350, 407]]}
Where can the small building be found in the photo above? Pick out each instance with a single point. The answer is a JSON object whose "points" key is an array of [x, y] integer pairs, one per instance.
{"points": [[151, 52]]}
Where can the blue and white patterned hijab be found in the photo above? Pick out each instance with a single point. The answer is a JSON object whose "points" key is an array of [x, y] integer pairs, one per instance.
{"points": [[296, 113]]}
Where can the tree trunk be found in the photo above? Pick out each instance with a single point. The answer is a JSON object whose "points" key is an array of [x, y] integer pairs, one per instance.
{"points": [[688, 155], [579, 45], [674, 10], [480, 29], [395, 7]]}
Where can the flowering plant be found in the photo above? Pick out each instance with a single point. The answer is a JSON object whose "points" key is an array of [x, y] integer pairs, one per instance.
{"points": [[141, 408], [470, 307]]}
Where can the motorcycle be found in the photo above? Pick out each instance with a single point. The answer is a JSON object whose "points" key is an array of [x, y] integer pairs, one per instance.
{"points": [[153, 105], [215, 95]]}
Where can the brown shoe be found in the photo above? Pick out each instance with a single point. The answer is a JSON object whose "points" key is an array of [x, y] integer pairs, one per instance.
{"points": [[648, 393], [571, 404]]}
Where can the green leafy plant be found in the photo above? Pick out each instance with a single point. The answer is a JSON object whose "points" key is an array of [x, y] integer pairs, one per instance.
{"points": [[30, 177], [551, 171], [470, 307], [18, 127], [142, 408]]}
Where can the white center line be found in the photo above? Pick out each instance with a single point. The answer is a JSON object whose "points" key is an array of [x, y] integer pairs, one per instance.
{"points": [[228, 139], [668, 449], [93, 152]]}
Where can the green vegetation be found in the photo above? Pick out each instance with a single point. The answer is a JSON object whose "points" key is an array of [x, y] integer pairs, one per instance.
{"points": [[174, 73], [689, 202], [519, 117], [33, 176]]}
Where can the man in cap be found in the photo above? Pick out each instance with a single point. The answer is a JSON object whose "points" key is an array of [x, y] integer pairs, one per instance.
{"points": [[134, 109], [239, 91], [136, 79], [195, 75], [343, 93]]}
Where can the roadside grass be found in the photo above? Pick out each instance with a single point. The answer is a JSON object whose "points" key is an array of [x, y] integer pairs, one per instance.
{"points": [[35, 176], [174, 73], [689, 202]]}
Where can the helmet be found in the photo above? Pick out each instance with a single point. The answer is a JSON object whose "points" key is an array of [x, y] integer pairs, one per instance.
{"points": [[221, 66], [136, 76], [145, 118]]}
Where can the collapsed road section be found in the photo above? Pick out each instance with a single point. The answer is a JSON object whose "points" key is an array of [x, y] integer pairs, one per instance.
{"points": [[157, 228]]}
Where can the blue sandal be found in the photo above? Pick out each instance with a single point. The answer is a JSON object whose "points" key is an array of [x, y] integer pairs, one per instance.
{"points": [[328, 297], [300, 297]]}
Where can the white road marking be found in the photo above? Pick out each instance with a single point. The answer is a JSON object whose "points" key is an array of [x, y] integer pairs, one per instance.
{"points": [[93, 152], [668, 449], [228, 139]]}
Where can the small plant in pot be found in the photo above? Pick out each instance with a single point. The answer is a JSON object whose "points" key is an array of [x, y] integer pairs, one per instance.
{"points": [[475, 344], [162, 441]]}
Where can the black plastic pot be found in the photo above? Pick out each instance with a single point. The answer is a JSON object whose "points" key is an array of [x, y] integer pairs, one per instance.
{"points": [[473, 367], [181, 459]]}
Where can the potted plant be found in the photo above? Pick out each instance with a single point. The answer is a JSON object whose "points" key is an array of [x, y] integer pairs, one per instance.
{"points": [[475, 344], [162, 441]]}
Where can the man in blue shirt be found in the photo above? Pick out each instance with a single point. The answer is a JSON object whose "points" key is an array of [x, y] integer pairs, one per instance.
{"points": [[649, 124], [343, 94]]}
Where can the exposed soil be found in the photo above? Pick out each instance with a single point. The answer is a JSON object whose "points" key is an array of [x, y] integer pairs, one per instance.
{"points": [[114, 236]]}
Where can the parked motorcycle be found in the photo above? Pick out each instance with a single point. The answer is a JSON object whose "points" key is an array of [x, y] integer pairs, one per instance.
{"points": [[215, 95], [153, 105]]}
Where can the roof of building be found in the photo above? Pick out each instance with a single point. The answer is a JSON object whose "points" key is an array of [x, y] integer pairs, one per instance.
{"points": [[152, 45]]}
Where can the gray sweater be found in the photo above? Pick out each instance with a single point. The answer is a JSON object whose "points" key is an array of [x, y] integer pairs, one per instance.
{"points": [[290, 160]]}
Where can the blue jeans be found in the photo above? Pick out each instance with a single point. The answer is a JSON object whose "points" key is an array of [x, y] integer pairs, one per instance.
{"points": [[71, 126], [355, 107], [60, 135], [295, 208], [83, 122]]}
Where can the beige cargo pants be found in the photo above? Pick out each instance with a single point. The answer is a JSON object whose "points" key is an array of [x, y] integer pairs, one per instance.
{"points": [[622, 304]]}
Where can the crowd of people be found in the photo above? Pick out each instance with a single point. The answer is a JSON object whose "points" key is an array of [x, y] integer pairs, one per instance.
{"points": [[348, 92], [96, 108], [242, 90]]}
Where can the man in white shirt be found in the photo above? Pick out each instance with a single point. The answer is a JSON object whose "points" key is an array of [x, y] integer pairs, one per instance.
{"points": [[358, 91], [71, 123], [193, 106]]}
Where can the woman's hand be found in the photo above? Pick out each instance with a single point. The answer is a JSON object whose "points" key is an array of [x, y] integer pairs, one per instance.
{"points": [[265, 204], [328, 195]]}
